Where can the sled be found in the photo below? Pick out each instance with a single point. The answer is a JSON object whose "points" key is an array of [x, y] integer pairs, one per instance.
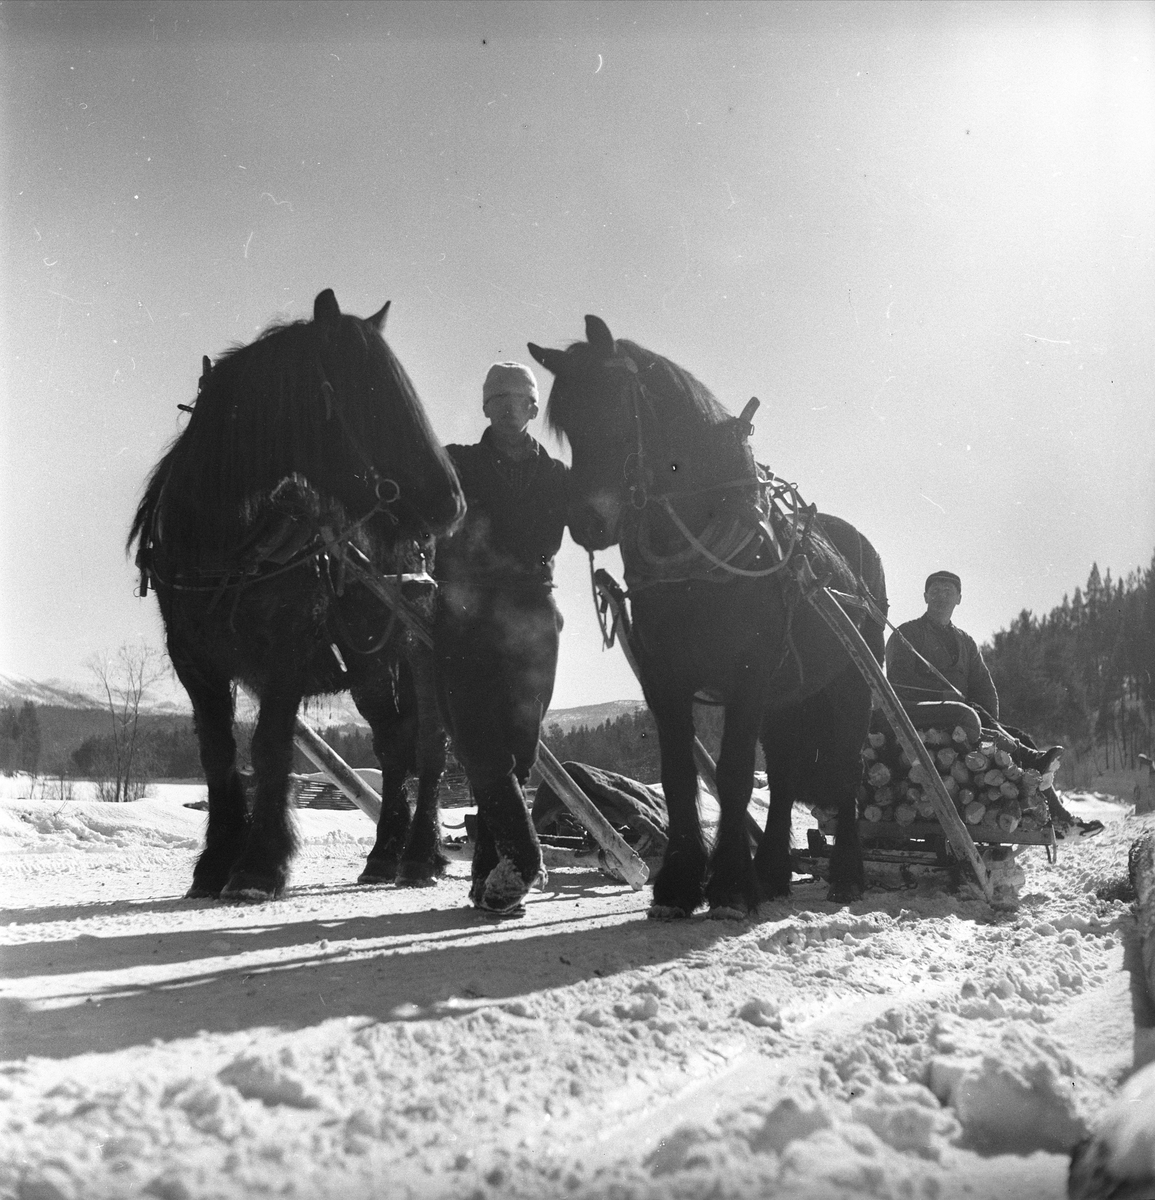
{"points": [[931, 842], [827, 604]]}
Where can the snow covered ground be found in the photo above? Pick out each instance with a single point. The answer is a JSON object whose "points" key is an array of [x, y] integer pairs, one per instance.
{"points": [[350, 1042]]}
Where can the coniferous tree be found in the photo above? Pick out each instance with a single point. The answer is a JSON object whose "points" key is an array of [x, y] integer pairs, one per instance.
{"points": [[28, 739], [9, 740], [1083, 674]]}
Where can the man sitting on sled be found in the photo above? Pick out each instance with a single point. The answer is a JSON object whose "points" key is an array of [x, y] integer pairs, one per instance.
{"points": [[937, 671]]}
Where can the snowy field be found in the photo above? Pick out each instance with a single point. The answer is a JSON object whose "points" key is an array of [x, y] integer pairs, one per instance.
{"points": [[351, 1042]]}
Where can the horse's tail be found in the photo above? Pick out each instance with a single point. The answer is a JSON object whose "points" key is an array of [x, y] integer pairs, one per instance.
{"points": [[140, 532]]}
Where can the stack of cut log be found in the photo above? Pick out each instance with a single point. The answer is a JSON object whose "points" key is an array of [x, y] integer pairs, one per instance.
{"points": [[992, 793]]}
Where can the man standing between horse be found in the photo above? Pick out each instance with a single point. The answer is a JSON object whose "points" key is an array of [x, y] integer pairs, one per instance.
{"points": [[496, 635], [938, 672]]}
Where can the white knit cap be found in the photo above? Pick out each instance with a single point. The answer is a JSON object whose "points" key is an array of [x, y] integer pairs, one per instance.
{"points": [[509, 379]]}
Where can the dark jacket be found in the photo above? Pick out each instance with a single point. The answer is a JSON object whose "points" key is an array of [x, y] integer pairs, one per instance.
{"points": [[515, 517], [953, 652]]}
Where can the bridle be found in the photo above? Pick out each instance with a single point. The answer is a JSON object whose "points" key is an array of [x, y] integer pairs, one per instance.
{"points": [[773, 522], [323, 545]]}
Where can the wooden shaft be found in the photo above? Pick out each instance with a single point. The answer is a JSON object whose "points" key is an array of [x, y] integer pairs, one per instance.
{"points": [[633, 870], [321, 754], [318, 751], [389, 594], [706, 768], [1141, 861], [860, 654]]}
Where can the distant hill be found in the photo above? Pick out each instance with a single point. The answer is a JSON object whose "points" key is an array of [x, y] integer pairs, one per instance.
{"points": [[168, 699], [16, 689], [325, 711], [590, 716], [69, 713]]}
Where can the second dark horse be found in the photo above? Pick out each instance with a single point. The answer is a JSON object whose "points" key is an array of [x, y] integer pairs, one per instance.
{"points": [[661, 469], [306, 450]]}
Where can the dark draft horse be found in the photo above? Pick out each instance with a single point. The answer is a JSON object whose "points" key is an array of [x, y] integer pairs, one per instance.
{"points": [[661, 469], [306, 450]]}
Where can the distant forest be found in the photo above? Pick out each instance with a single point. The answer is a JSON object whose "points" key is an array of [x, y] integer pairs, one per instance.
{"points": [[1083, 675]]}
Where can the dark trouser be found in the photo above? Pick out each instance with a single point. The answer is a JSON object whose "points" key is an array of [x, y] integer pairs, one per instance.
{"points": [[945, 714], [497, 657]]}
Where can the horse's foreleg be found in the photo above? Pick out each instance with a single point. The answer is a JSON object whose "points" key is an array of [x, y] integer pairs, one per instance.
{"points": [[732, 889], [837, 770], [391, 743], [679, 883], [263, 867], [781, 743], [423, 861], [212, 702], [386, 704], [501, 807], [485, 858]]}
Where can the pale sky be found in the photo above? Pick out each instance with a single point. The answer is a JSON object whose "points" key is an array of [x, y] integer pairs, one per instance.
{"points": [[920, 233]]}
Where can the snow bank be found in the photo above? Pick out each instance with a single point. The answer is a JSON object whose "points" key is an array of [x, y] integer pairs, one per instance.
{"points": [[349, 1042]]}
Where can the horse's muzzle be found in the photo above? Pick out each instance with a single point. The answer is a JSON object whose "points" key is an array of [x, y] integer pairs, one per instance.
{"points": [[593, 522]]}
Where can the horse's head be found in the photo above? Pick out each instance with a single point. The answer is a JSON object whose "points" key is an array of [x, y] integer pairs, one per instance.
{"points": [[324, 400], [378, 424], [638, 425], [590, 405]]}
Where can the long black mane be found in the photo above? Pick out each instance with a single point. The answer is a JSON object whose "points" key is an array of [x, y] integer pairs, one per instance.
{"points": [[676, 395], [326, 401], [675, 399]]}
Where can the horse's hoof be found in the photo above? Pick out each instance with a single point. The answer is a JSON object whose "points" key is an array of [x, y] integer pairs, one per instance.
{"points": [[199, 891], [666, 912], [844, 895], [249, 895], [251, 891], [375, 872], [775, 889], [730, 911], [503, 890], [416, 881], [517, 909], [420, 874]]}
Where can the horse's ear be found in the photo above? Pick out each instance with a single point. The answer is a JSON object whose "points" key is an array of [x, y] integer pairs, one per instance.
{"points": [[552, 360], [599, 337], [377, 320], [325, 307]]}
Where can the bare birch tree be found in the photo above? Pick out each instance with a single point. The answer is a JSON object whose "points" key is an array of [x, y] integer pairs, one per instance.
{"points": [[124, 677]]}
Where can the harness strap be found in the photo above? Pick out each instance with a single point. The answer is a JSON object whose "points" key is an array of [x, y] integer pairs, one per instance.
{"points": [[726, 564]]}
